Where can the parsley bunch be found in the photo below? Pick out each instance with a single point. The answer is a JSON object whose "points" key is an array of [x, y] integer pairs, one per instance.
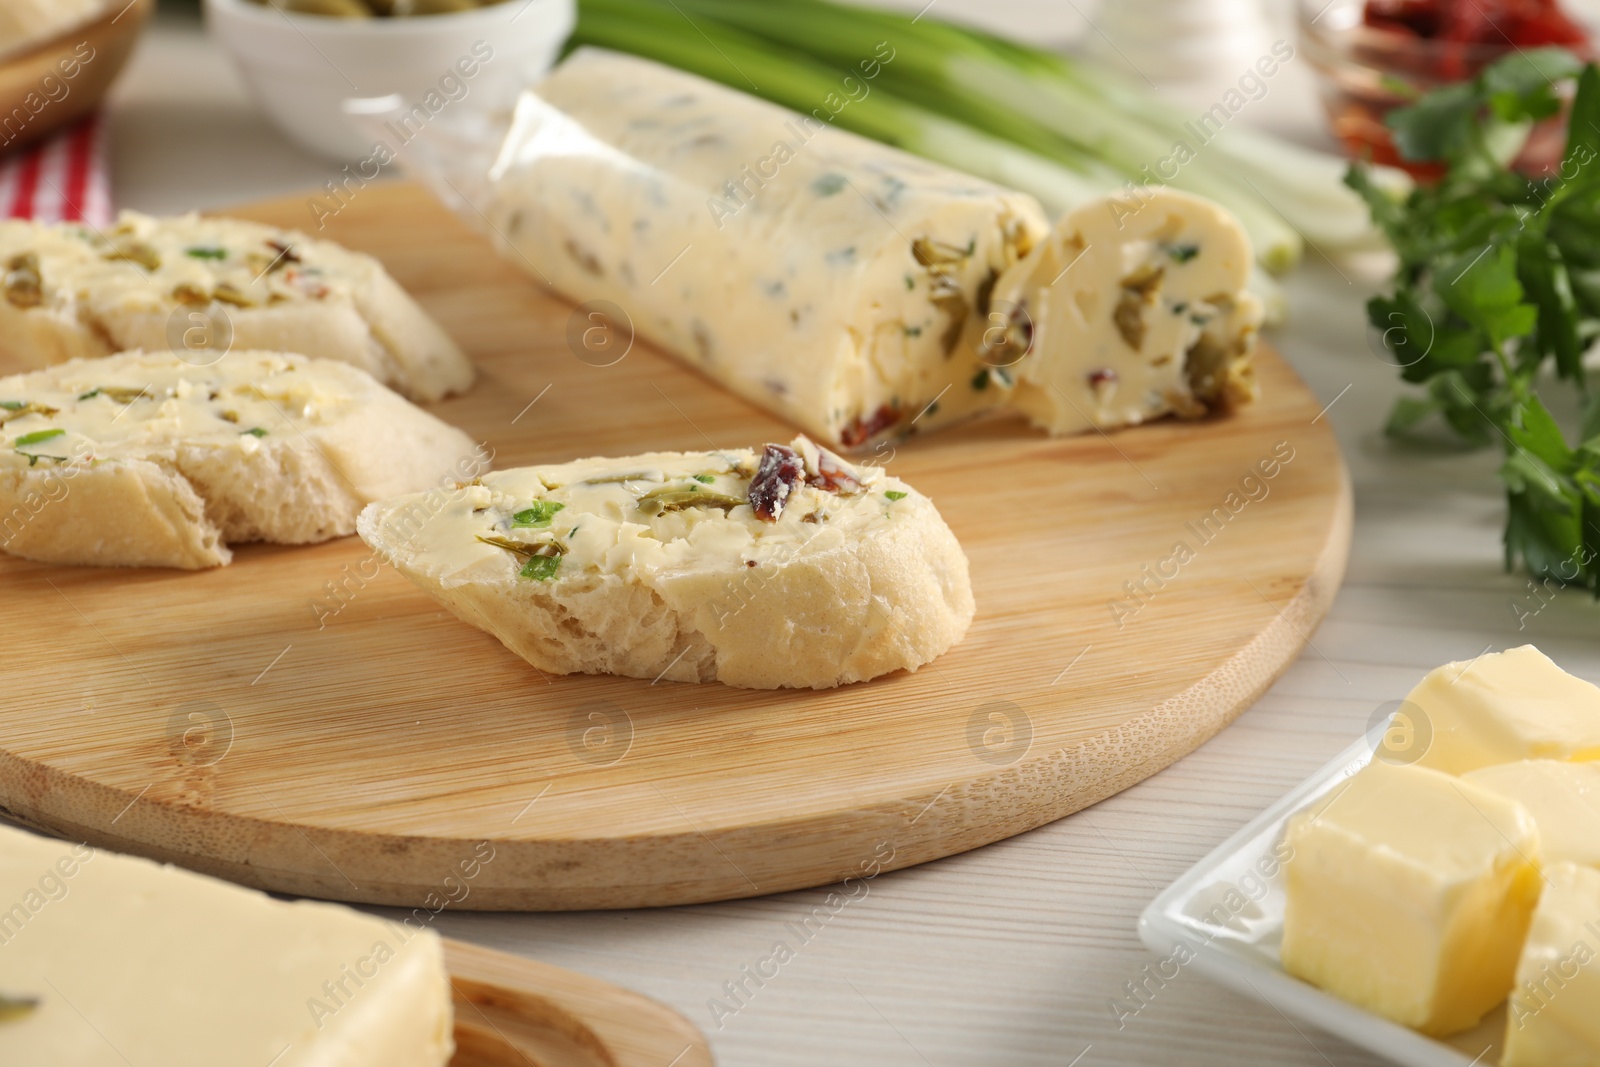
{"points": [[1499, 275]]}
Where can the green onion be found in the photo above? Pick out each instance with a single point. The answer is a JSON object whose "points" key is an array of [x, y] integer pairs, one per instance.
{"points": [[894, 494], [13, 405], [36, 437], [254, 432], [537, 515], [705, 479], [541, 568], [1019, 116], [206, 253]]}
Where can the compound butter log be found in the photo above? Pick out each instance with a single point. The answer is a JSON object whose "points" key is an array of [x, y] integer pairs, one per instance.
{"points": [[823, 276]]}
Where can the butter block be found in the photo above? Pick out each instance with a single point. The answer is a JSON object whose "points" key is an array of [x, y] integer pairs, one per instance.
{"points": [[1408, 893], [1501, 707], [1553, 1019], [1564, 799], [109, 960]]}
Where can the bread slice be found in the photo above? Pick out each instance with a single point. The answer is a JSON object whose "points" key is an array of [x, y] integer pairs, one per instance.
{"points": [[763, 569], [144, 460], [193, 284]]}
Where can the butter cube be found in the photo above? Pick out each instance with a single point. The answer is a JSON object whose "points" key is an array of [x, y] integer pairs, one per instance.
{"points": [[116, 961], [1408, 893], [1564, 799], [1500, 707], [1553, 1019]]}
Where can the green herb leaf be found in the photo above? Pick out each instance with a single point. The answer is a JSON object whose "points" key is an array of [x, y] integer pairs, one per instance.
{"points": [[36, 437], [894, 494], [204, 252], [1481, 286], [541, 568], [1498, 279], [254, 431], [827, 184], [13, 405], [537, 515], [705, 479]]}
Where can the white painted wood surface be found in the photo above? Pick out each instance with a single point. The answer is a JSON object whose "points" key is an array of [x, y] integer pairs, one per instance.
{"points": [[1012, 954]]}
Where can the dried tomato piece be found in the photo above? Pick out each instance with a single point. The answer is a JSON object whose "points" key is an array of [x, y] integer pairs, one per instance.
{"points": [[833, 474], [780, 471], [859, 431]]}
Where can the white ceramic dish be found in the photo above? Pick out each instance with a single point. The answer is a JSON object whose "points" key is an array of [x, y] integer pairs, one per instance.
{"points": [[302, 68], [1227, 912]]}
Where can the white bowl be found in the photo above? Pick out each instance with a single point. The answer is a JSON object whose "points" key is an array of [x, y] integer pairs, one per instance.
{"points": [[303, 67]]}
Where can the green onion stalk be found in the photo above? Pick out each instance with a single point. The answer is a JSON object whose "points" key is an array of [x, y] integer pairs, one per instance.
{"points": [[1019, 116]]}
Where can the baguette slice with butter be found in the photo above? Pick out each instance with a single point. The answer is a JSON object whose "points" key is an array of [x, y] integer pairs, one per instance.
{"points": [[779, 567], [197, 285], [142, 459]]}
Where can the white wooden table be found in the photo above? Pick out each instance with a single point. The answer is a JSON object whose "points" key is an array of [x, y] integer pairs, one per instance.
{"points": [[1012, 954]]}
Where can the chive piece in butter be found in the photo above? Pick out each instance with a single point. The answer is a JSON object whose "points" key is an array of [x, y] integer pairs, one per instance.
{"points": [[536, 516], [828, 184], [541, 568], [254, 431], [36, 437], [894, 494]]}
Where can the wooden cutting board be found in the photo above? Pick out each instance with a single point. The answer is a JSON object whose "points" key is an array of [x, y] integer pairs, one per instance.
{"points": [[306, 721], [514, 1012]]}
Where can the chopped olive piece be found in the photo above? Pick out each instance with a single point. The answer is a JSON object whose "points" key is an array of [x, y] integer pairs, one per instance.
{"points": [[525, 548], [24, 285], [931, 253], [135, 252], [185, 293], [120, 393], [1139, 291], [231, 294], [12, 1008], [628, 476], [15, 409], [670, 499]]}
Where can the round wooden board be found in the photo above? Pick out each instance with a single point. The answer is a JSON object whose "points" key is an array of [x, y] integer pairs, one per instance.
{"points": [[306, 721]]}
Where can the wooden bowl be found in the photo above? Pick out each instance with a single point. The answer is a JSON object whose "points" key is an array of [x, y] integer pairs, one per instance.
{"points": [[32, 101]]}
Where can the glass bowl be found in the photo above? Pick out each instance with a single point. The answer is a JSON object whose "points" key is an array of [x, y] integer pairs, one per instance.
{"points": [[1365, 72]]}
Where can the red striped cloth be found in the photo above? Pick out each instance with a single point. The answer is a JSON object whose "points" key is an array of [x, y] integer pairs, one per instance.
{"points": [[62, 179]]}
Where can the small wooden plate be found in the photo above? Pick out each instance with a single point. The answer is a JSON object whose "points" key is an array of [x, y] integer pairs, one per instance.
{"points": [[515, 1012], [110, 35]]}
